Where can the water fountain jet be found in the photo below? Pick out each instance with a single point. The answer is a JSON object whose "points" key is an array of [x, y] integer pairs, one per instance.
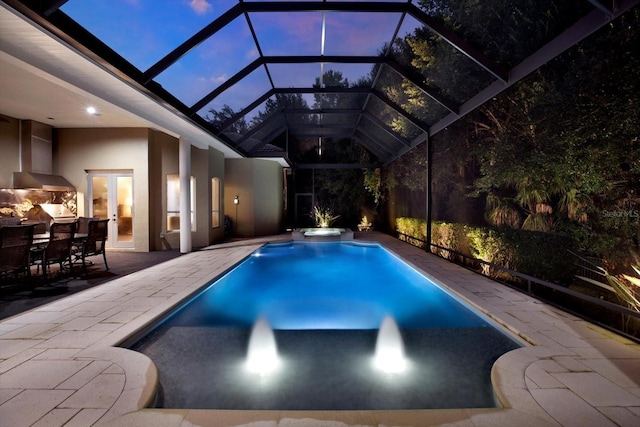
{"points": [[262, 353], [389, 356]]}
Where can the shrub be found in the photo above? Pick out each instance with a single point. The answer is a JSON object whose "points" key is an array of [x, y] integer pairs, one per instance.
{"points": [[451, 236], [625, 286], [414, 227], [538, 254]]}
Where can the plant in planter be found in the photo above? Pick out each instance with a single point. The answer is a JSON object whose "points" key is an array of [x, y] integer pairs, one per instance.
{"points": [[323, 217], [365, 225]]}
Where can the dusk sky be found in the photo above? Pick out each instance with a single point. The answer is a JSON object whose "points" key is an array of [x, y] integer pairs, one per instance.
{"points": [[144, 31]]}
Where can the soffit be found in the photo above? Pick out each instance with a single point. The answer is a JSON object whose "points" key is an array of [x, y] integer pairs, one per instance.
{"points": [[43, 78]]}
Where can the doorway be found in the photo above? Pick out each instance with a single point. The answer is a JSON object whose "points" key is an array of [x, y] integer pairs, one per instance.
{"points": [[111, 197]]}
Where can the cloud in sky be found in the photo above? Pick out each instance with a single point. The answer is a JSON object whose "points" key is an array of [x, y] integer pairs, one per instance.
{"points": [[200, 6], [219, 79], [251, 54]]}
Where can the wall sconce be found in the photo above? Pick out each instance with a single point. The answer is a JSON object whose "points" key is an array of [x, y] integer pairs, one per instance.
{"points": [[236, 201]]}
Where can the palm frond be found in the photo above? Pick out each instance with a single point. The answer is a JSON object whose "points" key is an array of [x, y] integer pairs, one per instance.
{"points": [[597, 283]]}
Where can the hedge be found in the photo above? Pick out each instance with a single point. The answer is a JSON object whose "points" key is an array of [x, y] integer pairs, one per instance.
{"points": [[541, 255]]}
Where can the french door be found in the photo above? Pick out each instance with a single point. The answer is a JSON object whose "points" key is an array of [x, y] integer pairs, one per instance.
{"points": [[111, 196]]}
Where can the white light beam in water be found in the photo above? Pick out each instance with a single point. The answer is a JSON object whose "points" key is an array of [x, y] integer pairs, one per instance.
{"points": [[389, 356], [262, 354]]}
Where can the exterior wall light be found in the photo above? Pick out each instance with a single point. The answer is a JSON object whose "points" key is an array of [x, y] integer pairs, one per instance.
{"points": [[236, 200]]}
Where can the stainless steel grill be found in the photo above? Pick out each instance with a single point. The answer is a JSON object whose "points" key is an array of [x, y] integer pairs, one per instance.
{"points": [[58, 212]]}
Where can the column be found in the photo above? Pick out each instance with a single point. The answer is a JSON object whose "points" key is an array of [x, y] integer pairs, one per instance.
{"points": [[185, 196]]}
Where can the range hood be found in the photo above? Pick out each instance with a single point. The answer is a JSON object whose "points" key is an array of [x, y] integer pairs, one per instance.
{"points": [[41, 181], [36, 160]]}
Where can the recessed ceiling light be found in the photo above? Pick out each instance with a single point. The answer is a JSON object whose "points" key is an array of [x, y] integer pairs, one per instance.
{"points": [[91, 110]]}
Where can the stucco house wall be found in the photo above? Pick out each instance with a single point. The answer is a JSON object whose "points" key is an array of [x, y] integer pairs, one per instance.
{"points": [[164, 161], [216, 170], [259, 186], [150, 156], [10, 150], [79, 151]]}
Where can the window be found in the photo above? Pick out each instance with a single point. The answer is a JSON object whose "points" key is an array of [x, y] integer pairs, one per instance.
{"points": [[173, 202], [215, 202]]}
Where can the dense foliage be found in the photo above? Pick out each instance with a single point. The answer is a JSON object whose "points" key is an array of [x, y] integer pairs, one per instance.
{"points": [[542, 255], [561, 152], [558, 153]]}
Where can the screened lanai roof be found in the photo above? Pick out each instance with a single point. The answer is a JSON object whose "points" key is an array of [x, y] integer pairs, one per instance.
{"points": [[282, 78]]}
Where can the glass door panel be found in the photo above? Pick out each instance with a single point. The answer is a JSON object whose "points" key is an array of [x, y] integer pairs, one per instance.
{"points": [[124, 218], [99, 197], [111, 196]]}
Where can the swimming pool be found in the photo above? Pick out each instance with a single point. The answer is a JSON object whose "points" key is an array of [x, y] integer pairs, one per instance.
{"points": [[325, 302]]}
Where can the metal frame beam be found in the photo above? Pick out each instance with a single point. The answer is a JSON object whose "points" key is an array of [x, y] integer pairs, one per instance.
{"points": [[266, 140], [398, 109], [416, 79], [337, 165], [321, 111], [257, 129], [379, 123], [379, 149], [459, 43], [192, 42], [374, 138], [266, 60], [48, 15], [570, 37]]}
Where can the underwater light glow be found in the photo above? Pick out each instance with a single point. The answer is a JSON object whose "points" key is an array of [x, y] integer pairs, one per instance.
{"points": [[262, 354], [389, 356]]}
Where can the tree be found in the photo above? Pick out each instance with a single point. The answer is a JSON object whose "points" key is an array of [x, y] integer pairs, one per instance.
{"points": [[560, 151], [330, 79], [222, 120]]}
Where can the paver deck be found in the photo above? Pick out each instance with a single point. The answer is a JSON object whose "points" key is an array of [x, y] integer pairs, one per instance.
{"points": [[59, 364]]}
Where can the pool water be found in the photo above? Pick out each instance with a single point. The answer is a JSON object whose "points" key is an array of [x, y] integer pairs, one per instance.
{"points": [[325, 302], [326, 286]]}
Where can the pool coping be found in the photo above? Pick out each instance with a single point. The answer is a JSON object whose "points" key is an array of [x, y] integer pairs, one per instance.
{"points": [[61, 365]]}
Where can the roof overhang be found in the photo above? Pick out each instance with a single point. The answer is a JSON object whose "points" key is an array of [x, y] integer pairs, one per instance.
{"points": [[39, 55]]}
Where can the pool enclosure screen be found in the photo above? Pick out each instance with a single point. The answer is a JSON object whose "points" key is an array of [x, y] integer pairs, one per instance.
{"points": [[292, 79]]}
